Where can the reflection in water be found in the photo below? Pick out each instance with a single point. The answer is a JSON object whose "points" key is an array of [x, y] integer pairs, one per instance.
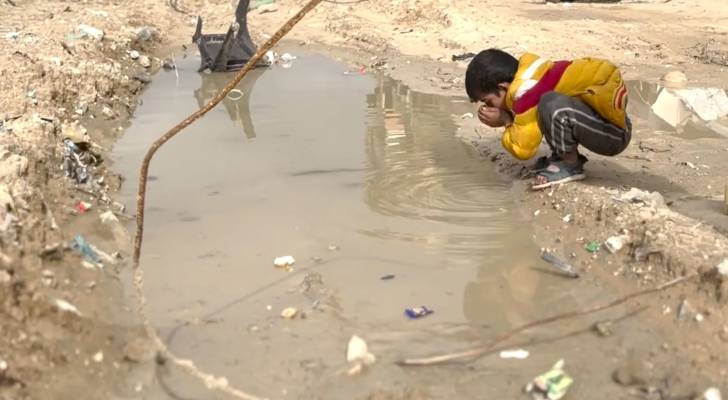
{"points": [[660, 108], [237, 104]]}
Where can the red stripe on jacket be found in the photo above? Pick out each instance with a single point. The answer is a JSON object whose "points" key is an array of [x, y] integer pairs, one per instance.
{"points": [[546, 84]]}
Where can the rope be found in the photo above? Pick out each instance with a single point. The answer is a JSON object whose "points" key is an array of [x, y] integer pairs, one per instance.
{"points": [[212, 382]]}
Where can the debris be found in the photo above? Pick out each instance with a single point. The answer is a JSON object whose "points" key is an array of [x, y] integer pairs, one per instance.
{"points": [[82, 207], [9, 221], [417, 312], [108, 217], [284, 262], [169, 65], [560, 264], [722, 268], [3, 365], [133, 54], [87, 31], [593, 246], [289, 313], [48, 277], [98, 357], [712, 394], [65, 306], [333, 247], [145, 61], [519, 354], [615, 243], [467, 115], [76, 160], [79, 243], [259, 3], [536, 213], [670, 108], [463, 56], [287, 58], [686, 311], [387, 277], [634, 195], [603, 329], [567, 218], [12, 35], [552, 385], [357, 353], [146, 34]]}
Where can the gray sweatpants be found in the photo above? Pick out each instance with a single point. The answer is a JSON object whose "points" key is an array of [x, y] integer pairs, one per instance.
{"points": [[567, 122]]}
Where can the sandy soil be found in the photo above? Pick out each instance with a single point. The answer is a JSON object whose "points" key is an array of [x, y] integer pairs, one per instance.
{"points": [[58, 75]]}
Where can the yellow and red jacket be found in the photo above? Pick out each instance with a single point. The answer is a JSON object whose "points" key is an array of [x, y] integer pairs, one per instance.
{"points": [[598, 83]]}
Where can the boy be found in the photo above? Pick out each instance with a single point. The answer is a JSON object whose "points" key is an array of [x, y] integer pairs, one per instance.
{"points": [[570, 103]]}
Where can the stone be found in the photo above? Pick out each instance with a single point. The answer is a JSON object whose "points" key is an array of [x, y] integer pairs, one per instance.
{"points": [[146, 34], [145, 62], [139, 350], [6, 199], [89, 32], [709, 104], [134, 54]]}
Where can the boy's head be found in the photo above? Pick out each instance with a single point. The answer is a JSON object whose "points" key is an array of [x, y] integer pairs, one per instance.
{"points": [[489, 76]]}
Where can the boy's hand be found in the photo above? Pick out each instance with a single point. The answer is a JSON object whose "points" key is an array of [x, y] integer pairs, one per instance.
{"points": [[494, 117]]}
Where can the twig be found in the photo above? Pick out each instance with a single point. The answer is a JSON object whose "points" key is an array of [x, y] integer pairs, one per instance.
{"points": [[211, 382], [481, 350]]}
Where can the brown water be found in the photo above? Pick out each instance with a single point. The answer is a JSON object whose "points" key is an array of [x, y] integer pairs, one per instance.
{"points": [[357, 177]]}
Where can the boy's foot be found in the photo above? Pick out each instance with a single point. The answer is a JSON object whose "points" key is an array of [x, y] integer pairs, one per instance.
{"points": [[558, 172], [543, 162]]}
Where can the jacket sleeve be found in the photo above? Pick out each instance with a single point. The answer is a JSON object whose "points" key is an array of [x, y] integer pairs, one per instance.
{"points": [[523, 137]]}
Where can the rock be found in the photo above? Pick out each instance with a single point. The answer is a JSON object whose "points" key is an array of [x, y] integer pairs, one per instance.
{"points": [[357, 354], [709, 104], [145, 62], [12, 166], [134, 54], [284, 261], [634, 195], [670, 108], [65, 306], [603, 329], [146, 34], [615, 243], [676, 78], [289, 313], [108, 112], [76, 132], [6, 199], [169, 65], [89, 32]]}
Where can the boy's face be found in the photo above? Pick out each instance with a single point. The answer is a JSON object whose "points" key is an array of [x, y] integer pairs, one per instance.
{"points": [[497, 98]]}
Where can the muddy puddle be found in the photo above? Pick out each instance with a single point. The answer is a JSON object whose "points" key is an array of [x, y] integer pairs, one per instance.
{"points": [[360, 179]]}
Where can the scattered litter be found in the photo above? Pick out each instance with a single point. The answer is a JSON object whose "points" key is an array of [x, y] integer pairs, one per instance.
{"points": [[270, 57], [98, 357], [65, 306], [552, 385], [635, 195], [289, 313], [145, 61], [560, 264], [615, 243], [689, 165], [536, 213], [133, 54], [603, 329], [387, 277], [79, 243], [519, 354], [358, 355], [593, 246], [417, 312], [284, 262], [333, 247], [287, 58], [108, 217], [83, 206], [567, 218], [722, 268], [259, 3], [463, 56], [712, 394], [685, 311], [76, 159], [467, 115], [87, 31]]}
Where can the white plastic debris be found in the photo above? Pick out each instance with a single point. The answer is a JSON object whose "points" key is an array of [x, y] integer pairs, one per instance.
{"points": [[723, 267], [615, 243], [134, 54], [88, 31], [287, 57], [289, 313], [284, 261], [98, 357], [12, 35], [712, 394], [519, 354], [108, 217], [670, 108], [270, 57], [65, 306], [567, 218], [709, 104], [357, 354]]}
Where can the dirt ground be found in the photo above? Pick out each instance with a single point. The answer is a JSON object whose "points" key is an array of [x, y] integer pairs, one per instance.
{"points": [[58, 72]]}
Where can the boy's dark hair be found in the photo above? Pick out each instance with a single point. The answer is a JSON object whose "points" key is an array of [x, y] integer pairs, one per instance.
{"points": [[488, 69]]}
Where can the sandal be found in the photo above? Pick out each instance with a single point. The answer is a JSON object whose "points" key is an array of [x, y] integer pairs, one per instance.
{"points": [[543, 162], [559, 172]]}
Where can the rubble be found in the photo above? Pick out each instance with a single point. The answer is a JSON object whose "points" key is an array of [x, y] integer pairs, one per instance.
{"points": [[89, 32]]}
